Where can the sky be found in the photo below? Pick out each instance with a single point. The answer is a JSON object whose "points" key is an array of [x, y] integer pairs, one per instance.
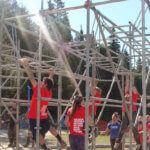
{"points": [[120, 13]]}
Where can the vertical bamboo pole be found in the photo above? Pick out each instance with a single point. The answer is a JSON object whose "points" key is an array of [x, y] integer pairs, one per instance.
{"points": [[87, 74], [39, 83], [1, 37], [93, 119], [123, 140], [18, 95], [143, 74], [130, 87], [59, 103]]}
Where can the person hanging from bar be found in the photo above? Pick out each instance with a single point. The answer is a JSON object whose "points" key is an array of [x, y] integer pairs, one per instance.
{"points": [[75, 120], [125, 119], [96, 92], [46, 92]]}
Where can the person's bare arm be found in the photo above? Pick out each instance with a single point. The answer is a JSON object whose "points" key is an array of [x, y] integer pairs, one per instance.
{"points": [[91, 85], [107, 131], [66, 121], [51, 74], [28, 71], [127, 84], [1, 122]]}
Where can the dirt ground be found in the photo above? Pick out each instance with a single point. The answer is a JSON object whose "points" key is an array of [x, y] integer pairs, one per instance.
{"points": [[50, 140]]}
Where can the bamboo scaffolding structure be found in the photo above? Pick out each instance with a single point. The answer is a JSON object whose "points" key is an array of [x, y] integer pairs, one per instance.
{"points": [[138, 42]]}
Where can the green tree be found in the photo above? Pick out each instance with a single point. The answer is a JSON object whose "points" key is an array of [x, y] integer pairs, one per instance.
{"points": [[126, 62], [11, 8], [114, 43], [64, 25]]}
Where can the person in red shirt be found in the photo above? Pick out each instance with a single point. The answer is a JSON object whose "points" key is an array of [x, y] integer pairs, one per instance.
{"points": [[75, 119], [125, 120], [140, 130], [46, 92], [97, 93]]}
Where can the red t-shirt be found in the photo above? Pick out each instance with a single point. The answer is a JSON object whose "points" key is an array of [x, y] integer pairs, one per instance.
{"points": [[43, 104], [134, 100], [141, 135], [77, 121], [95, 101], [148, 132]]}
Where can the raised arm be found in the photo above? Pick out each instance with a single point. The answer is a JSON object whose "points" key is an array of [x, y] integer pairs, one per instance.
{"points": [[134, 90], [28, 71], [127, 84], [95, 85], [51, 74]]}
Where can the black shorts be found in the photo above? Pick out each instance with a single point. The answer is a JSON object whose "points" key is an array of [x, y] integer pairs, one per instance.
{"points": [[44, 126]]}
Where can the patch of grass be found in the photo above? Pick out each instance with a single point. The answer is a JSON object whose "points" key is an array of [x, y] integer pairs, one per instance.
{"points": [[100, 140]]}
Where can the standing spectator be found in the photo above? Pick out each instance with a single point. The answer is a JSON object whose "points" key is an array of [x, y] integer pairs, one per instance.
{"points": [[12, 127], [29, 137], [125, 120], [113, 128], [140, 130], [75, 119], [46, 92]]}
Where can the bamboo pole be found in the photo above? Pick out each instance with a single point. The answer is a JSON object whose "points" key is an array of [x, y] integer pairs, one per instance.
{"points": [[143, 75], [87, 74]]}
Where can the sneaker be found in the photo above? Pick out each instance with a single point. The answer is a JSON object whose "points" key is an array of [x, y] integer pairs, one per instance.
{"points": [[63, 144], [96, 132], [10, 145], [90, 138], [23, 60], [26, 145], [116, 146], [14, 145], [138, 146]]}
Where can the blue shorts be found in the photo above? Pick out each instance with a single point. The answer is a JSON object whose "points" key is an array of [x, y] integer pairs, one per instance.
{"points": [[44, 126]]}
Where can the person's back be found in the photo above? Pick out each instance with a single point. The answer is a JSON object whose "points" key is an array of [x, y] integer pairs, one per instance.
{"points": [[77, 121]]}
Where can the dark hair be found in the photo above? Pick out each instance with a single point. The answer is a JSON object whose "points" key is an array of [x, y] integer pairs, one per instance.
{"points": [[140, 122], [49, 83], [76, 103]]}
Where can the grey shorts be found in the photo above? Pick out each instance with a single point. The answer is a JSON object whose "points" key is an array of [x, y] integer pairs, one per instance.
{"points": [[77, 142]]}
